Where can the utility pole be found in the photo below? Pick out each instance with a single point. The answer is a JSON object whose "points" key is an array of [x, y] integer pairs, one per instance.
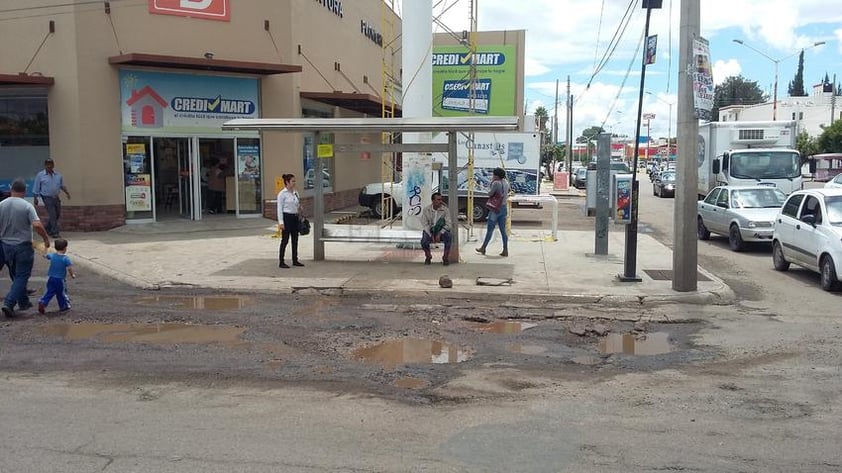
{"points": [[833, 100], [555, 127], [685, 254], [569, 127]]}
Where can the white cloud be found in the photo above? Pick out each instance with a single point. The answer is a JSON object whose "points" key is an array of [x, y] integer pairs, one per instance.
{"points": [[724, 69]]}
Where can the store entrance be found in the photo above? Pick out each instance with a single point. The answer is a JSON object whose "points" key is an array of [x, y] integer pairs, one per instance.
{"points": [[173, 178], [216, 156]]}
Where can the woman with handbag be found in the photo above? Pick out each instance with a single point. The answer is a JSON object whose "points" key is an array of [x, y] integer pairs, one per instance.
{"points": [[498, 196], [288, 209]]}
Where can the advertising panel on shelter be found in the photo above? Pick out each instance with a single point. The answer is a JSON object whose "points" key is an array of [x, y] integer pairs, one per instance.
{"points": [[157, 102], [495, 88]]}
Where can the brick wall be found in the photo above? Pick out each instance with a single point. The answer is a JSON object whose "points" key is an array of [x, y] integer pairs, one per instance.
{"points": [[92, 218]]}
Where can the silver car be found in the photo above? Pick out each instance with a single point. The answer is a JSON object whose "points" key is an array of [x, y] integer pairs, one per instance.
{"points": [[740, 213]]}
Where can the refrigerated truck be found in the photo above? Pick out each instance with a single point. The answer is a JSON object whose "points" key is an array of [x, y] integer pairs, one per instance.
{"points": [[760, 153]]}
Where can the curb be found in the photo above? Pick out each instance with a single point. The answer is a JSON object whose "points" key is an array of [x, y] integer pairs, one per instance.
{"points": [[107, 271]]}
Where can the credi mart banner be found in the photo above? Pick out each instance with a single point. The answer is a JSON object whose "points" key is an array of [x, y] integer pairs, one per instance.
{"points": [[158, 102], [495, 87], [207, 9]]}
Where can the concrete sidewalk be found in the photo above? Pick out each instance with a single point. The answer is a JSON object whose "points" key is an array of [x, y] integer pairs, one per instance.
{"points": [[241, 255]]}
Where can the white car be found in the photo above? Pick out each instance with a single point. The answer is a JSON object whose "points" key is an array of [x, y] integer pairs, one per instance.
{"points": [[740, 213], [835, 182], [808, 232]]}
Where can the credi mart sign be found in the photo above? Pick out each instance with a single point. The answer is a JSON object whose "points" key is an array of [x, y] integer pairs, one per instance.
{"points": [[208, 9]]}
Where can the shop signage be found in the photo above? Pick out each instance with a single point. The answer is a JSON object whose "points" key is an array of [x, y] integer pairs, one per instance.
{"points": [[138, 192], [334, 6], [206, 9], [369, 32], [154, 102], [494, 91]]}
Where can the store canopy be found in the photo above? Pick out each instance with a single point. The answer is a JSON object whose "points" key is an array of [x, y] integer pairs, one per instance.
{"points": [[363, 103], [25, 79], [203, 64], [434, 124]]}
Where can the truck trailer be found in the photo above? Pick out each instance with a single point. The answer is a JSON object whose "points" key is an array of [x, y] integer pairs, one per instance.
{"points": [[758, 153]]}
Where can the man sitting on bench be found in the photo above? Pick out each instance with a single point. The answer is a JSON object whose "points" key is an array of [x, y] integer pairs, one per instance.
{"points": [[435, 219]]}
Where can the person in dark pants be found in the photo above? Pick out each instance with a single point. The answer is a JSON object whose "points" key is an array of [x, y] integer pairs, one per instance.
{"points": [[17, 220], [288, 209], [48, 185], [435, 221]]}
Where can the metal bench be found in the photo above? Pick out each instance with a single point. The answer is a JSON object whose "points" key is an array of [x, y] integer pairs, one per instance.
{"points": [[543, 198], [368, 234]]}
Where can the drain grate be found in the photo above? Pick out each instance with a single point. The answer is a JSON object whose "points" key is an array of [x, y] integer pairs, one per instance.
{"points": [[666, 275]]}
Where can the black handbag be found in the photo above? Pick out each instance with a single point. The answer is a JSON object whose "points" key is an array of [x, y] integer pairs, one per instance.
{"points": [[303, 227]]}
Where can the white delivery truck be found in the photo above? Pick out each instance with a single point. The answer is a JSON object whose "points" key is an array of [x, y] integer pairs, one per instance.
{"points": [[517, 153], [748, 154]]}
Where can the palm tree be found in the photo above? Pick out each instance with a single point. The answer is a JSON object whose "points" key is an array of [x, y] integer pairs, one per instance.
{"points": [[541, 117]]}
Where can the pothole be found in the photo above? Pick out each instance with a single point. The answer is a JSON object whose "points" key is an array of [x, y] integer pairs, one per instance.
{"points": [[164, 334], [197, 302], [506, 326], [411, 351], [655, 343]]}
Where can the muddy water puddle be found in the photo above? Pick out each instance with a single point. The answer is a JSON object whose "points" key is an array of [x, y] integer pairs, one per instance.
{"points": [[411, 351], [506, 326], [655, 343], [525, 349], [163, 334], [197, 302]]}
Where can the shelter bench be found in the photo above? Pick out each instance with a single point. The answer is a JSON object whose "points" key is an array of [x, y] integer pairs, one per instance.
{"points": [[368, 234]]}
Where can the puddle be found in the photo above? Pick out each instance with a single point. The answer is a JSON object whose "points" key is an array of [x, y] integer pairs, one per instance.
{"points": [[526, 349], [197, 302], [410, 351], [505, 326], [648, 344], [409, 382], [162, 334]]}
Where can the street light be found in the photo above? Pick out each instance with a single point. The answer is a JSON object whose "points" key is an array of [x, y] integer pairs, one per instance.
{"points": [[776, 61]]}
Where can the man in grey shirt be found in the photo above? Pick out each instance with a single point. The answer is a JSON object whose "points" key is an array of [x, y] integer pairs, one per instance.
{"points": [[17, 220]]}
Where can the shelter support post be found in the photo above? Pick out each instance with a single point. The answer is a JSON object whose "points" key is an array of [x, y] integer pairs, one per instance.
{"points": [[318, 202], [453, 194]]}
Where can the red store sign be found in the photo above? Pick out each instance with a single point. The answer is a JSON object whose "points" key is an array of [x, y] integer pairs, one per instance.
{"points": [[207, 9]]}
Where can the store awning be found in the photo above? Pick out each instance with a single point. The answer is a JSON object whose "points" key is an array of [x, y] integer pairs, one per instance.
{"points": [[202, 64], [363, 103], [25, 79]]}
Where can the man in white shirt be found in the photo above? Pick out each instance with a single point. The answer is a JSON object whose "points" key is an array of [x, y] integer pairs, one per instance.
{"points": [[435, 220]]}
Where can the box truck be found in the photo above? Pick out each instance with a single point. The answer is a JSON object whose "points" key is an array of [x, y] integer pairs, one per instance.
{"points": [[758, 153]]}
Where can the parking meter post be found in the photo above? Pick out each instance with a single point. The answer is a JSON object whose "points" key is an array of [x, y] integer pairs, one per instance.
{"points": [[603, 204]]}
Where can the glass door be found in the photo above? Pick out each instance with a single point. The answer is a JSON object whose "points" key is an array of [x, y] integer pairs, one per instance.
{"points": [[173, 178]]}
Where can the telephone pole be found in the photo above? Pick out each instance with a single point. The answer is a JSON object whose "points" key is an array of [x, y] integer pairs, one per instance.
{"points": [[685, 254], [569, 127], [555, 128]]}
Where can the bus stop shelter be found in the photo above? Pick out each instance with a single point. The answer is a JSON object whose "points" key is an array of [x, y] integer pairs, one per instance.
{"points": [[449, 125]]}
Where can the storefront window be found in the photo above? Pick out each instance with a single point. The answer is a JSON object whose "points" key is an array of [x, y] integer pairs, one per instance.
{"points": [[137, 172], [24, 135], [309, 153]]}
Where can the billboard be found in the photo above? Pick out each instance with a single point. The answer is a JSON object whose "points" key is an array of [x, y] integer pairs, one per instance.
{"points": [[517, 153], [495, 87]]}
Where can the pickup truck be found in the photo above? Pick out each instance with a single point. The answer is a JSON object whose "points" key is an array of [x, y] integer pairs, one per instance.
{"points": [[371, 197]]}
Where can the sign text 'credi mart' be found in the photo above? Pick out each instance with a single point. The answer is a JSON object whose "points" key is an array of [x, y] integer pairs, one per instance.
{"points": [[207, 9]]}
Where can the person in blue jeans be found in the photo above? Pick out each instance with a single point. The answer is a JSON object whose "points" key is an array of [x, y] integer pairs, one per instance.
{"points": [[17, 220], [498, 192], [60, 267]]}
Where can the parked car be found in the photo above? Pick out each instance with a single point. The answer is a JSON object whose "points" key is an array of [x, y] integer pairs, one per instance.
{"points": [[740, 213], [835, 182], [664, 184], [580, 178], [808, 232]]}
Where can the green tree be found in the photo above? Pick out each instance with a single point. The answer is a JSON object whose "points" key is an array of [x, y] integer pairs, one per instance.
{"points": [[796, 85], [830, 141], [589, 136], [735, 90], [806, 145]]}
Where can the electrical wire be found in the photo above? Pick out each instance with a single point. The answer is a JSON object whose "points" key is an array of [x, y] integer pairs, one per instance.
{"points": [[615, 41], [634, 59], [598, 32]]}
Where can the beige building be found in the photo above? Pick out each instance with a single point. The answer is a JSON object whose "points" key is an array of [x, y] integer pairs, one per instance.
{"points": [[128, 98]]}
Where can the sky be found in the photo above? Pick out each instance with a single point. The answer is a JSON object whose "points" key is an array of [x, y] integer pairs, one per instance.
{"points": [[569, 37]]}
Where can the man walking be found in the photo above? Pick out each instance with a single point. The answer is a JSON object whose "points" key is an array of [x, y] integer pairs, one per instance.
{"points": [[48, 184], [17, 220]]}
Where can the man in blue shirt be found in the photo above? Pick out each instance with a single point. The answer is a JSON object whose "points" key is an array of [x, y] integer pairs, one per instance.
{"points": [[48, 184]]}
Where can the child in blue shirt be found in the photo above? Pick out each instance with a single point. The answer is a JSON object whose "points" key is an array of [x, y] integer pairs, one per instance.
{"points": [[60, 266]]}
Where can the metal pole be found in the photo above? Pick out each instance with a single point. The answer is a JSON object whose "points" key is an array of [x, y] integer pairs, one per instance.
{"points": [[685, 246], [833, 100], [775, 94], [555, 127], [318, 202], [630, 261], [453, 196]]}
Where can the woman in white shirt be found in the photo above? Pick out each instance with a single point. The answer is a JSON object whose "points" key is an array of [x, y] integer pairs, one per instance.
{"points": [[288, 203]]}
